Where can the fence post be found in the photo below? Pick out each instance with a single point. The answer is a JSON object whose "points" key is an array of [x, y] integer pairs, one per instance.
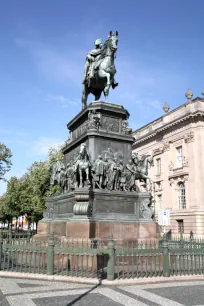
{"points": [[10, 234], [181, 240], [110, 265], [50, 255], [165, 257], [28, 234], [1, 246]]}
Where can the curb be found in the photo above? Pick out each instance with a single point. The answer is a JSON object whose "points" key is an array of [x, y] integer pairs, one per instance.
{"points": [[105, 282], [50, 277]]}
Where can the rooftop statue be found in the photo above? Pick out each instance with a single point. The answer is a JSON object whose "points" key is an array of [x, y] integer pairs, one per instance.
{"points": [[100, 69]]}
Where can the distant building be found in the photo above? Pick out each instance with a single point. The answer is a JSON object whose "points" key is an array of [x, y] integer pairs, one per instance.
{"points": [[176, 141]]}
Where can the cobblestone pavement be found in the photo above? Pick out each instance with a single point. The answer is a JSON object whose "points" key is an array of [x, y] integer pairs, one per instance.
{"points": [[23, 292]]}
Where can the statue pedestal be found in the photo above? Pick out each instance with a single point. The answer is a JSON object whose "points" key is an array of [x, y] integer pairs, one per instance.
{"points": [[94, 213]]}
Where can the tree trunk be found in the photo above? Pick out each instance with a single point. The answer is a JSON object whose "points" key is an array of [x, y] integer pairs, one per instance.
{"points": [[22, 221]]}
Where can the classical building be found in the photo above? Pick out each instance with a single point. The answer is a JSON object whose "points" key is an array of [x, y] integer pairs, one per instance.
{"points": [[176, 140]]}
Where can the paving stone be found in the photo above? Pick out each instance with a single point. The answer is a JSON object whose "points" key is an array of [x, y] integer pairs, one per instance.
{"points": [[3, 300], [138, 298], [188, 296], [24, 292], [77, 300], [25, 285]]}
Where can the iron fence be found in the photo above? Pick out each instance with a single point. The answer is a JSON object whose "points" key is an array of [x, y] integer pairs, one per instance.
{"points": [[10, 235], [96, 259]]}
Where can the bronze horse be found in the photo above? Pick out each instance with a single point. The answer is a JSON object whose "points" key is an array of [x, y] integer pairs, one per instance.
{"points": [[104, 74]]}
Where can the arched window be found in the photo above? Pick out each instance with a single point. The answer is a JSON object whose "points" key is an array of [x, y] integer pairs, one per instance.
{"points": [[182, 196]]}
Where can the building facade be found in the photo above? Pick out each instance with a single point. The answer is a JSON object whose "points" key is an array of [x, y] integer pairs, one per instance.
{"points": [[176, 141]]}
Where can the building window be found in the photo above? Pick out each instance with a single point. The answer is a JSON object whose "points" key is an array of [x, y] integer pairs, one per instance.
{"points": [[180, 226], [160, 201], [182, 196], [179, 157], [158, 160]]}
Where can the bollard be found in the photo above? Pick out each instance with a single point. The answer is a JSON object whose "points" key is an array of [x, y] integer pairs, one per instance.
{"points": [[110, 265], [50, 255]]}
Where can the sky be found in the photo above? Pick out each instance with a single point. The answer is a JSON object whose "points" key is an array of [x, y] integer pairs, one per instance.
{"points": [[42, 56]]}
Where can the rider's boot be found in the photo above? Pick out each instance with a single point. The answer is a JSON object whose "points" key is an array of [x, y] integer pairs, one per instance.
{"points": [[114, 85]]}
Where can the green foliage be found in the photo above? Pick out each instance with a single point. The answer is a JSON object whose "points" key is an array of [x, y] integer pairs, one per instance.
{"points": [[26, 195], [5, 160], [36, 189], [54, 155], [13, 196], [5, 214]]}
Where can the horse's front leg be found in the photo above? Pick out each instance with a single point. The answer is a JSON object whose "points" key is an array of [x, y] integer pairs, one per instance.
{"points": [[104, 74], [87, 175], [80, 178]]}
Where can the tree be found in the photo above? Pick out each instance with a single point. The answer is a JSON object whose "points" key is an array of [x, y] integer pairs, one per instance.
{"points": [[13, 196], [5, 160], [36, 190], [54, 155], [26, 195]]}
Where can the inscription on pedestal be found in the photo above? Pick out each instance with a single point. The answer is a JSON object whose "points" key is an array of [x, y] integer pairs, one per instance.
{"points": [[112, 207]]}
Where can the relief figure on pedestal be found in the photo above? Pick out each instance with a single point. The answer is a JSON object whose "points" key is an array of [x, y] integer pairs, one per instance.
{"points": [[107, 172], [63, 179], [142, 168], [130, 176], [83, 165], [71, 177], [114, 174], [125, 128], [93, 120], [98, 173], [57, 175]]}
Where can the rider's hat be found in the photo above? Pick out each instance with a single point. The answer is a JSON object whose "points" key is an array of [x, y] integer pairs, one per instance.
{"points": [[98, 42]]}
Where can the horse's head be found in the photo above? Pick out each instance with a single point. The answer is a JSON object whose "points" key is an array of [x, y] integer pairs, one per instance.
{"points": [[113, 41], [149, 159], [82, 148], [83, 152]]}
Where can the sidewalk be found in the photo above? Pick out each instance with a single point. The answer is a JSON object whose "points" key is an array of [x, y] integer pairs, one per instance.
{"points": [[94, 281]]}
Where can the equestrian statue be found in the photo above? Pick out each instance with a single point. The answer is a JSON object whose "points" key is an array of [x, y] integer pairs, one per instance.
{"points": [[99, 69]]}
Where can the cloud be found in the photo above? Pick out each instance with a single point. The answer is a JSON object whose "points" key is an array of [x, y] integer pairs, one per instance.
{"points": [[64, 102], [52, 63], [156, 104], [43, 144]]}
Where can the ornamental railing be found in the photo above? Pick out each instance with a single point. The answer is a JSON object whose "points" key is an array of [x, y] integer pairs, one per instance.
{"points": [[104, 260]]}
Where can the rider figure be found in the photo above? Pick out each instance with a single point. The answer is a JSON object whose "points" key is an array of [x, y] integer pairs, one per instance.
{"points": [[91, 62], [90, 59]]}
